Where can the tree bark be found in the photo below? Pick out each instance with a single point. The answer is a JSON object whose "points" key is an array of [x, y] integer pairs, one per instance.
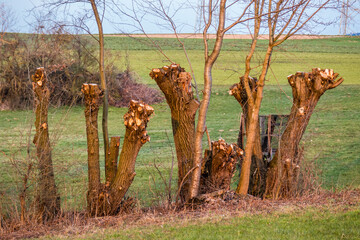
{"points": [[48, 200], [307, 89], [258, 166], [92, 95], [209, 62], [111, 164], [135, 120], [219, 166], [253, 122], [175, 83]]}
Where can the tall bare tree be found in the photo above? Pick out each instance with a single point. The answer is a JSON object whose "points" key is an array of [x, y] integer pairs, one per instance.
{"points": [[282, 19], [104, 88], [213, 9], [79, 21]]}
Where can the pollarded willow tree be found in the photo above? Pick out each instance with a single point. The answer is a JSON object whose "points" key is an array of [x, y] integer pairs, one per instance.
{"points": [[106, 199], [281, 19], [307, 88], [48, 199]]}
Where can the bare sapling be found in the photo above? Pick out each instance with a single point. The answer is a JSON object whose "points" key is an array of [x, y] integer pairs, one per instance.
{"points": [[258, 165], [307, 88], [175, 83], [48, 200]]}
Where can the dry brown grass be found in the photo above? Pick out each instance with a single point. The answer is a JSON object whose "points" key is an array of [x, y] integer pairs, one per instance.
{"points": [[230, 205]]}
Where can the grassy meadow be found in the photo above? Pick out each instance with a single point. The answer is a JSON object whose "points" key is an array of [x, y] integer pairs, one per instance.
{"points": [[332, 140], [309, 224]]}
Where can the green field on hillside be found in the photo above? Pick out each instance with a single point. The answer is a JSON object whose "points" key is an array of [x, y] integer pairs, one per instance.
{"points": [[331, 140], [340, 54]]}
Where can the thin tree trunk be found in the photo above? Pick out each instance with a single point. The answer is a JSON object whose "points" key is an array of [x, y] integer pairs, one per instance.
{"points": [[201, 124], [135, 120], [258, 166], [253, 127], [48, 200], [175, 83], [307, 89], [103, 82], [92, 95]]}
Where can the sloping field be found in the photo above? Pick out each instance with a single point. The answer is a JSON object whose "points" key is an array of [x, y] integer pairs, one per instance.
{"points": [[341, 54]]}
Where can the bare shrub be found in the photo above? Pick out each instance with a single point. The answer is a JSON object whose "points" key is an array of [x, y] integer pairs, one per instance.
{"points": [[69, 62]]}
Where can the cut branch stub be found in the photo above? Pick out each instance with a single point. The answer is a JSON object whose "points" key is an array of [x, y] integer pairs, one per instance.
{"points": [[220, 165], [39, 78], [92, 94], [136, 119], [179, 85], [111, 161], [239, 92]]}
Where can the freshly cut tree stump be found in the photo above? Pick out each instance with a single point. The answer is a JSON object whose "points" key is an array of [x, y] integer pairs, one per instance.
{"points": [[48, 200], [258, 165], [307, 88], [136, 136], [175, 83], [92, 97], [219, 166]]}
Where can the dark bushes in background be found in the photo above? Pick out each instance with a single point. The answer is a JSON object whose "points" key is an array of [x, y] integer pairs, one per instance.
{"points": [[69, 61]]}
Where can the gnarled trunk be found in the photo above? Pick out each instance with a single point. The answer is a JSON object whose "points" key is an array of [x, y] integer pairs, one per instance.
{"points": [[135, 120], [175, 83], [258, 165], [307, 89], [48, 200]]}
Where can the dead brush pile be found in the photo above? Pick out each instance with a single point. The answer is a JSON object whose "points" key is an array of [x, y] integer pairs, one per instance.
{"points": [[125, 88]]}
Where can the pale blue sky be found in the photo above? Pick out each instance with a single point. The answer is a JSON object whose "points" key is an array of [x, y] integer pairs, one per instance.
{"points": [[188, 18]]}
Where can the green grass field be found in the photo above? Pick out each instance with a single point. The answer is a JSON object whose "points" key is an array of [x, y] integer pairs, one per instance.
{"points": [[332, 140], [340, 54], [308, 224]]}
